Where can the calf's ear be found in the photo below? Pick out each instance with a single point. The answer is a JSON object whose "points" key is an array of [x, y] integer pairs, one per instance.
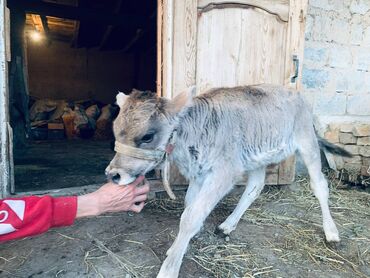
{"points": [[181, 102], [121, 98]]}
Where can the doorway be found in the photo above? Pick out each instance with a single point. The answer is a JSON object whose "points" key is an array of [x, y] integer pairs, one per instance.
{"points": [[69, 60]]}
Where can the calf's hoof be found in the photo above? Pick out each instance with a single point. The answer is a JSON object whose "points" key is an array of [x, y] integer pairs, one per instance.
{"points": [[331, 232], [220, 232], [332, 237]]}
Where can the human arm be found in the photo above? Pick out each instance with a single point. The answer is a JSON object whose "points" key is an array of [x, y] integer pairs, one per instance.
{"points": [[27, 216], [113, 198]]}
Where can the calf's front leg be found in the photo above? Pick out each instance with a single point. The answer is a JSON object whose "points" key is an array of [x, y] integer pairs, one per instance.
{"points": [[214, 188], [255, 184]]}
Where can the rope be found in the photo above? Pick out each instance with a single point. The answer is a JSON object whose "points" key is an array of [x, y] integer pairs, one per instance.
{"points": [[154, 155]]}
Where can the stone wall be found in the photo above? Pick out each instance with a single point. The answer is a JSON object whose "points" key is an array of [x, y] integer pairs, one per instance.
{"points": [[354, 138], [336, 74]]}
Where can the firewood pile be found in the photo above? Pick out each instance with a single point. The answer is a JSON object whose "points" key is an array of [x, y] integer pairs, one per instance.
{"points": [[60, 119]]}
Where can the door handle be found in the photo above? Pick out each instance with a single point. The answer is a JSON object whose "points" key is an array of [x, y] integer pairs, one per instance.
{"points": [[296, 69]]}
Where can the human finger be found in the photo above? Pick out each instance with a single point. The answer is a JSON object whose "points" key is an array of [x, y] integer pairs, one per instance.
{"points": [[137, 208], [137, 181], [142, 189], [140, 198]]}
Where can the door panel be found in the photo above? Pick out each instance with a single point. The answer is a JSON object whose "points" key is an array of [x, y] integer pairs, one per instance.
{"points": [[217, 43], [277, 7], [239, 46]]}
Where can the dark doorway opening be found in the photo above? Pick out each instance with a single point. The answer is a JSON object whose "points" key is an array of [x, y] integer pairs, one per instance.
{"points": [[69, 60]]}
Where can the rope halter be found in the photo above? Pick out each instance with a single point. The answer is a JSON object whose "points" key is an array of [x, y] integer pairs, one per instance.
{"points": [[145, 154], [152, 155]]}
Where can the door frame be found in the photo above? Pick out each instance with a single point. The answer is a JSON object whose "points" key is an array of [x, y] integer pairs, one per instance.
{"points": [[6, 166], [164, 87]]}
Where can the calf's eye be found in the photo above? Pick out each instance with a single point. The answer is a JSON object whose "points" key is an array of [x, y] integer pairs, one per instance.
{"points": [[147, 138]]}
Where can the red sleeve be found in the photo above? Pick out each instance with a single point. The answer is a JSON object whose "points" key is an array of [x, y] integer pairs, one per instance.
{"points": [[21, 217]]}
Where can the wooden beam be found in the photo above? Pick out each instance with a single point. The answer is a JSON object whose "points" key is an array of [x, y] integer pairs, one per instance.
{"points": [[37, 23], [74, 41], [109, 28], [184, 45], [45, 26], [140, 32], [167, 72], [159, 46], [76, 13], [106, 36]]}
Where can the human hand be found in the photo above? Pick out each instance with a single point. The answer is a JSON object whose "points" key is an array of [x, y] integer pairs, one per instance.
{"points": [[113, 198]]}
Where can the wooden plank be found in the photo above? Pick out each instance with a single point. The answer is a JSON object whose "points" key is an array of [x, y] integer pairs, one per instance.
{"points": [[159, 46], [156, 188], [239, 47], [44, 23], [76, 13], [7, 35], [167, 70], [167, 54], [287, 171], [295, 41], [280, 8], [184, 58], [11, 159], [184, 50], [272, 179], [4, 107], [37, 23]]}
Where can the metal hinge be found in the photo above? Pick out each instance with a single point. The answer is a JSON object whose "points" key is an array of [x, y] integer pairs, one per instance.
{"points": [[296, 69]]}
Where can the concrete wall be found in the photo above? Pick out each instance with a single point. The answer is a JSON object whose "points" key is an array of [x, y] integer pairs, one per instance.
{"points": [[58, 71]]}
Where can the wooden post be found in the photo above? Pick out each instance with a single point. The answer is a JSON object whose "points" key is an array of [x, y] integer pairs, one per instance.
{"points": [[4, 105], [167, 38], [159, 46]]}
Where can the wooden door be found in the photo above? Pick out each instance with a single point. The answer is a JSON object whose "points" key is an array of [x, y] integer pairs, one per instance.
{"points": [[217, 43], [6, 176]]}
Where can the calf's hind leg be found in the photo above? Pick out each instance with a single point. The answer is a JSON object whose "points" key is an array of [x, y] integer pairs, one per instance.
{"points": [[310, 152]]}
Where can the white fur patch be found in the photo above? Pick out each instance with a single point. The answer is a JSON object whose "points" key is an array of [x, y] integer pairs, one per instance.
{"points": [[121, 98]]}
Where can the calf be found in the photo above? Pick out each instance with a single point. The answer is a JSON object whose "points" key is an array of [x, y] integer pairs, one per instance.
{"points": [[218, 137]]}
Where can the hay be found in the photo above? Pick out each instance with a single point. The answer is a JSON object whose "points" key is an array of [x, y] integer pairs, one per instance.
{"points": [[296, 213], [131, 269], [228, 260]]}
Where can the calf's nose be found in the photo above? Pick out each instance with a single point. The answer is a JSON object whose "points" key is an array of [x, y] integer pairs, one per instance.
{"points": [[113, 176]]}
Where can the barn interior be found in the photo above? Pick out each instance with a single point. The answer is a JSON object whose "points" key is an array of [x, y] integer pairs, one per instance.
{"points": [[69, 60]]}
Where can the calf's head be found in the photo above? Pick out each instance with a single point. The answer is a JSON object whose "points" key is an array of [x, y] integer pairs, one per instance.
{"points": [[146, 122]]}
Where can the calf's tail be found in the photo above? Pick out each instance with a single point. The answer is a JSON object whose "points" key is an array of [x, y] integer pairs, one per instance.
{"points": [[332, 148]]}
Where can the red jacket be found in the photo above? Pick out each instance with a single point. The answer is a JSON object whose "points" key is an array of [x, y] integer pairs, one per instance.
{"points": [[21, 217]]}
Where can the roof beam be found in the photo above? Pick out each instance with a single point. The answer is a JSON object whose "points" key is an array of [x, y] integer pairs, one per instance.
{"points": [[109, 28], [76, 13], [74, 41], [44, 22], [140, 32], [37, 23]]}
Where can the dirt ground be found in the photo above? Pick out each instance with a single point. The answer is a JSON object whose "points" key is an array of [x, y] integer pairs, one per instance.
{"points": [[279, 236], [61, 163]]}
